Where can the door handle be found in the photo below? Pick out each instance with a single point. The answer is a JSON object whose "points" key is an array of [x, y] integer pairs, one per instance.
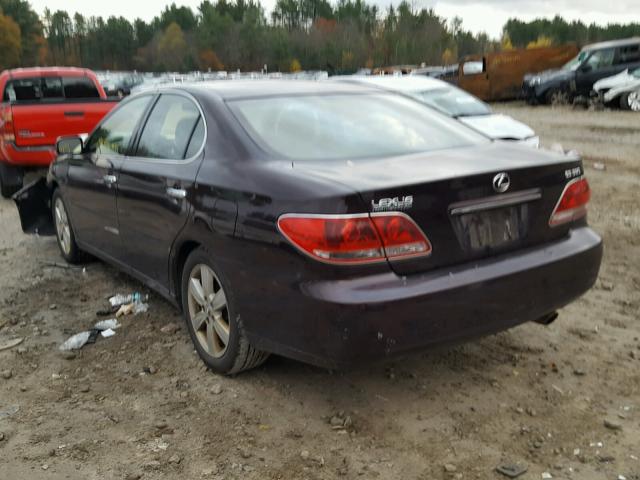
{"points": [[74, 113], [109, 179], [179, 193]]}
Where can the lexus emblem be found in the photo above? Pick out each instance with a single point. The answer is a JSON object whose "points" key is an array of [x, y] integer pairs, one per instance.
{"points": [[501, 182]]}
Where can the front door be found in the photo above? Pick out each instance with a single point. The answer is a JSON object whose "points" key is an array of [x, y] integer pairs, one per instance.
{"points": [[156, 184], [599, 65], [92, 179]]}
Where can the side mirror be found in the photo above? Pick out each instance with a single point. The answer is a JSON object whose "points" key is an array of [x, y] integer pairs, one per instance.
{"points": [[69, 145], [585, 68]]}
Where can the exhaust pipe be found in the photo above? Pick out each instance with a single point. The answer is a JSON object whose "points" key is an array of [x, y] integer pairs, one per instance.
{"points": [[547, 319]]}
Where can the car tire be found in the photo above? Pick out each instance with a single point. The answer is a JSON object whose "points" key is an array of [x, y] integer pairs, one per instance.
{"points": [[557, 97], [212, 318], [65, 237], [630, 101], [10, 180]]}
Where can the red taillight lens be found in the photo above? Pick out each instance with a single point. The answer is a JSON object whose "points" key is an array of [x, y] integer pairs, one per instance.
{"points": [[7, 126], [354, 239], [573, 202], [400, 235]]}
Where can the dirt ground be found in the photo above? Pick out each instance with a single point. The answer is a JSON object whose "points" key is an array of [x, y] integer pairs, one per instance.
{"points": [[141, 405]]}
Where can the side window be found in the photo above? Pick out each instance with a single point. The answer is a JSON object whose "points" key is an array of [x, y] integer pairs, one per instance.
{"points": [[23, 90], [196, 140], [112, 136], [169, 129], [79, 87], [602, 58], [629, 54]]}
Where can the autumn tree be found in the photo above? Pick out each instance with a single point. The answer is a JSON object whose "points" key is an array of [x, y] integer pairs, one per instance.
{"points": [[172, 48], [10, 42]]}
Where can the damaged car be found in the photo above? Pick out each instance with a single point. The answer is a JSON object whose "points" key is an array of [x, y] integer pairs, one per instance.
{"points": [[621, 90], [330, 223]]}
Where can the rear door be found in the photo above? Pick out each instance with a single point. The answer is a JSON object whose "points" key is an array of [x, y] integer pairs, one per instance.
{"points": [[156, 184], [92, 178]]}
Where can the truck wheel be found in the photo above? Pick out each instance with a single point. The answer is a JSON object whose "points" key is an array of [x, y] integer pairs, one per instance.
{"points": [[10, 180], [557, 97], [213, 322], [64, 231]]}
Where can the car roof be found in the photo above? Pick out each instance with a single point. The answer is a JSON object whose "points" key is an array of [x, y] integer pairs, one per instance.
{"points": [[48, 72], [406, 83], [613, 43], [235, 89]]}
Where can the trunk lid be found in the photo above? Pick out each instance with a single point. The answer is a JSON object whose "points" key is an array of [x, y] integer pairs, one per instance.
{"points": [[451, 196]]}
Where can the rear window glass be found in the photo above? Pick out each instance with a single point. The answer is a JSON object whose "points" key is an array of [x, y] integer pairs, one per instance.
{"points": [[79, 87], [45, 88], [337, 127], [453, 102]]}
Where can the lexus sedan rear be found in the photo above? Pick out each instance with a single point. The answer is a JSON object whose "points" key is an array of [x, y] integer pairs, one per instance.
{"points": [[330, 223]]}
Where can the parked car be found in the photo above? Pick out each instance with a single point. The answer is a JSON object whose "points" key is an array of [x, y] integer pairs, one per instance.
{"points": [[499, 75], [120, 84], [326, 222], [455, 103], [38, 106], [577, 77], [622, 90]]}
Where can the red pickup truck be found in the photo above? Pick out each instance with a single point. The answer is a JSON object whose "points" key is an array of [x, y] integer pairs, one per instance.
{"points": [[38, 106]]}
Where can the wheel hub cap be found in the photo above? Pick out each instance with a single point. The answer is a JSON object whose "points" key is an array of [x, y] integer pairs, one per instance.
{"points": [[208, 311]]}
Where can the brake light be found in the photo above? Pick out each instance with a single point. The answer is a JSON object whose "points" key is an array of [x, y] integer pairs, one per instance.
{"points": [[354, 239], [7, 126], [573, 202]]}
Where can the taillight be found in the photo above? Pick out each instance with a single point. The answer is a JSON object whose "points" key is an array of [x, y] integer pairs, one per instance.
{"points": [[354, 239], [573, 202], [7, 126]]}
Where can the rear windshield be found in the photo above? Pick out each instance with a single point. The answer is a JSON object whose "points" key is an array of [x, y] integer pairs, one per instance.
{"points": [[453, 102], [334, 127], [49, 88]]}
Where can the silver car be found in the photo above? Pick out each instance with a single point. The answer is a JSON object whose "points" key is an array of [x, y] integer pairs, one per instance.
{"points": [[455, 103]]}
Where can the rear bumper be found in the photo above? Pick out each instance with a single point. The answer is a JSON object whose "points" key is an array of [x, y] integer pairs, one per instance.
{"points": [[40, 156], [337, 323]]}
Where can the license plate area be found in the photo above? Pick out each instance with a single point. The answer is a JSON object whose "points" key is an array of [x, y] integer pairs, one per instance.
{"points": [[492, 229]]}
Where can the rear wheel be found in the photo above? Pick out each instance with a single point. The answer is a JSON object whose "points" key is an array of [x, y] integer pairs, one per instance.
{"points": [[214, 324], [10, 180], [64, 231]]}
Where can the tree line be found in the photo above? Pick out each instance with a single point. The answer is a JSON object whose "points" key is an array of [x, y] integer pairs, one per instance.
{"points": [[299, 34]]}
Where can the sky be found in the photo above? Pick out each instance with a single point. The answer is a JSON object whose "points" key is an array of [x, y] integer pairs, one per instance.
{"points": [[488, 16]]}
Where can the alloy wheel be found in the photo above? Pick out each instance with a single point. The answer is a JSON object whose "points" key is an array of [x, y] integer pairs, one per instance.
{"points": [[208, 311], [559, 98], [634, 101], [63, 230]]}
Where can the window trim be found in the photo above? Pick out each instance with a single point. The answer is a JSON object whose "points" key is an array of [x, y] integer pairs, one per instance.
{"points": [[184, 161]]}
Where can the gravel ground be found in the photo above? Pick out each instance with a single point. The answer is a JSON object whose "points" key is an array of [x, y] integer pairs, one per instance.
{"points": [[562, 400]]}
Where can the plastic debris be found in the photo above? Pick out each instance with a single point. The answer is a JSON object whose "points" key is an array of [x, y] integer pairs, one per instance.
{"points": [[120, 299], [132, 308], [11, 343], [599, 166], [7, 412], [76, 342], [107, 333], [511, 471], [111, 324], [546, 475]]}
